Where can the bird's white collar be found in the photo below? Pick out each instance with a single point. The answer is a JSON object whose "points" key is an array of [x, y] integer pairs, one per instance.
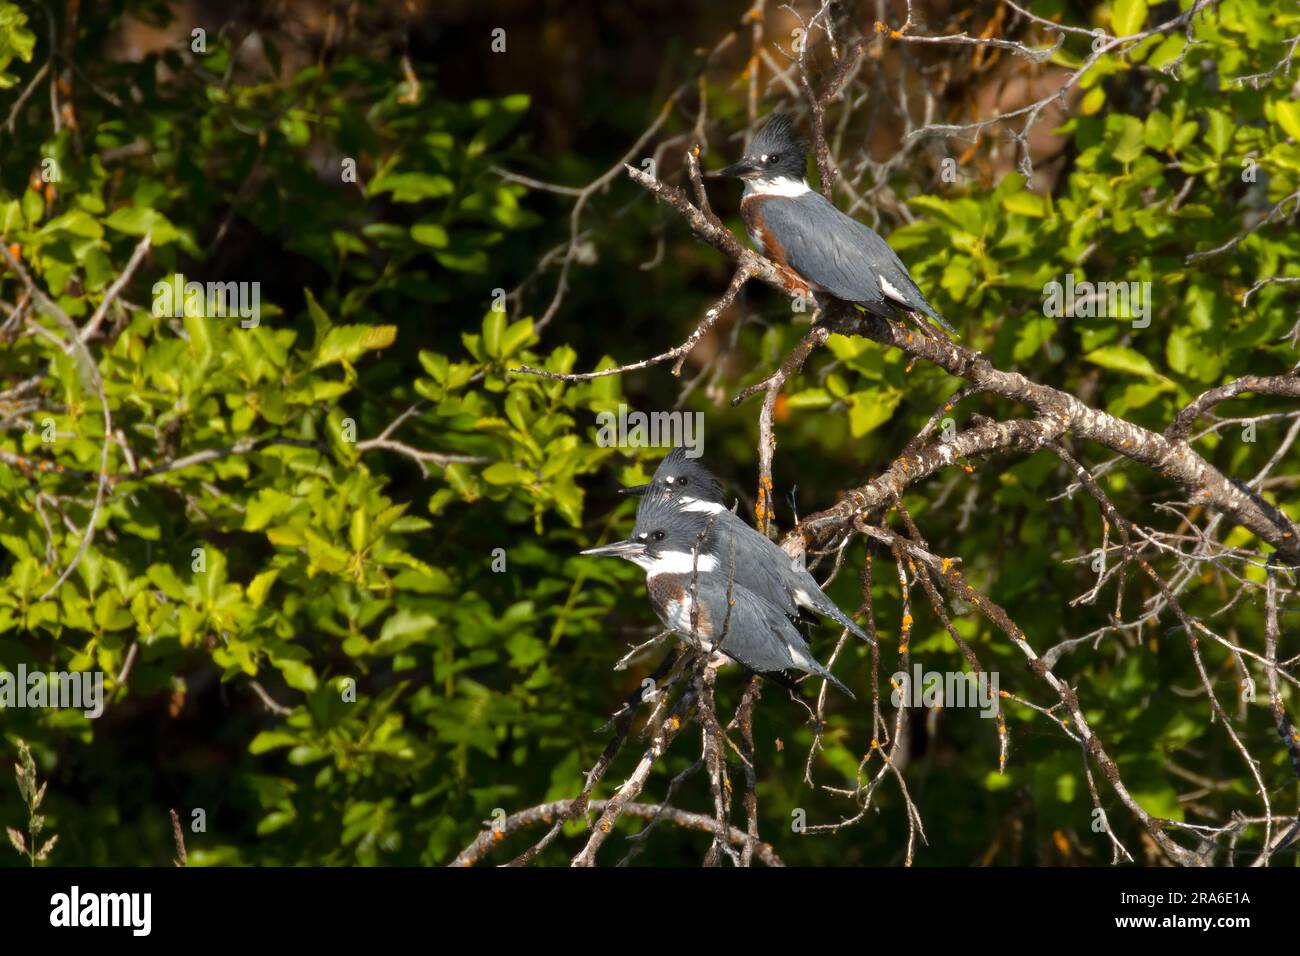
{"points": [[780, 186], [678, 562]]}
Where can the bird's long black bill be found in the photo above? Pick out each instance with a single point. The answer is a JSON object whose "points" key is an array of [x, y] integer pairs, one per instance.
{"points": [[636, 491], [734, 171], [619, 549]]}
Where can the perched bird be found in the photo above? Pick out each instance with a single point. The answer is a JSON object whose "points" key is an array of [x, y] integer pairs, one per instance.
{"points": [[761, 567], [693, 569], [799, 228]]}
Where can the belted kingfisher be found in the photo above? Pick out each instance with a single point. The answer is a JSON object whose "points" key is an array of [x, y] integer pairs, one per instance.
{"points": [[799, 228], [693, 568], [761, 566]]}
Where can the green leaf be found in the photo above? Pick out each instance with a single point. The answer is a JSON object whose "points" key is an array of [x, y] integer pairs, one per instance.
{"points": [[1025, 203], [809, 398], [516, 337], [430, 234], [1120, 358], [137, 220], [870, 410], [494, 327], [1288, 117], [345, 343], [260, 586], [1128, 17], [1168, 50], [77, 223], [200, 329], [297, 675], [412, 187], [504, 473], [1128, 139], [1159, 131], [1219, 131]]}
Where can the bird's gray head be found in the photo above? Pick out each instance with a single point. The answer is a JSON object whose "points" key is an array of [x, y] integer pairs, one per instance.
{"points": [[775, 153], [666, 538], [679, 475]]}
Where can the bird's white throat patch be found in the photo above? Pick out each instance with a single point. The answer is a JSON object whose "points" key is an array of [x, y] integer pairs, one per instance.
{"points": [[780, 186], [678, 562]]}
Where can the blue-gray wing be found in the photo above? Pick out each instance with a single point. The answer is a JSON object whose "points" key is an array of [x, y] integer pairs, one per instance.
{"points": [[755, 632], [775, 576], [756, 567], [845, 257]]}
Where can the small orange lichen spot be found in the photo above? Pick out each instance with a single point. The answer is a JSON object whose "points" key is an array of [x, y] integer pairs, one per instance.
{"points": [[36, 183], [1004, 693], [902, 648], [907, 621], [16, 251], [604, 827], [498, 836], [880, 27], [781, 409], [967, 468], [894, 34], [677, 723], [894, 684], [1124, 443], [944, 565]]}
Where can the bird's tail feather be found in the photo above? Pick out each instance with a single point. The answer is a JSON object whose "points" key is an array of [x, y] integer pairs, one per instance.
{"points": [[939, 320], [843, 620], [783, 679], [824, 673]]}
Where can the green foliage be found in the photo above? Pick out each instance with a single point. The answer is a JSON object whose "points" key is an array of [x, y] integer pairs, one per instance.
{"points": [[16, 41], [257, 527], [350, 634]]}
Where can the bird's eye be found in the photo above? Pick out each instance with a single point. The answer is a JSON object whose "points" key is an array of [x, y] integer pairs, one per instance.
{"points": [[771, 160], [682, 479], [657, 536]]}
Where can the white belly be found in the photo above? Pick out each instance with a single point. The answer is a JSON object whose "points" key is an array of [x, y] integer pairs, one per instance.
{"points": [[678, 616]]}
